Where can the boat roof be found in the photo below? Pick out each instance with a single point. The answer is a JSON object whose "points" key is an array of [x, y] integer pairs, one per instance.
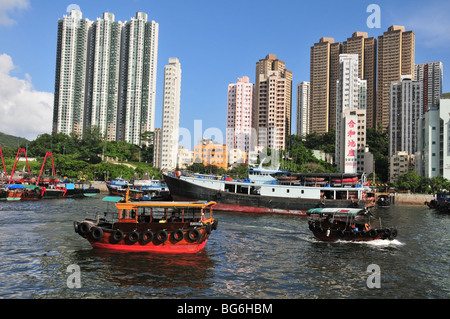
{"points": [[198, 204], [337, 211], [113, 199]]}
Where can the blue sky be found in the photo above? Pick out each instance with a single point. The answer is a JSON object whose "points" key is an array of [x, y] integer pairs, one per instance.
{"points": [[216, 42]]}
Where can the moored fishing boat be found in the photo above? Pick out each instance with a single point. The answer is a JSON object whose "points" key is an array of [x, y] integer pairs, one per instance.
{"points": [[168, 227], [348, 224], [11, 192]]}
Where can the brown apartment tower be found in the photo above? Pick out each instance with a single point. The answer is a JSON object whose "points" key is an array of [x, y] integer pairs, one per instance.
{"points": [[396, 57], [366, 48], [271, 116], [324, 72]]}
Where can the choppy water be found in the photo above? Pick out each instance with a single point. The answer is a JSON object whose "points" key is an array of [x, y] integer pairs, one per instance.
{"points": [[264, 256]]}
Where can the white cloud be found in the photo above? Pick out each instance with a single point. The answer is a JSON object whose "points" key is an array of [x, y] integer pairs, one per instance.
{"points": [[24, 112], [8, 6]]}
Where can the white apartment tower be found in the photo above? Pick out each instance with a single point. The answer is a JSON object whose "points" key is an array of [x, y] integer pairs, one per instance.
{"points": [[433, 142], [303, 95], [70, 77], [137, 87], [239, 115], [170, 115], [103, 75], [106, 76], [350, 115], [406, 108]]}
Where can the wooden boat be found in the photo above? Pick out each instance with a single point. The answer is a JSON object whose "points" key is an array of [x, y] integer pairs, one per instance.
{"points": [[383, 200], [32, 192], [11, 192], [349, 224], [167, 227], [78, 189]]}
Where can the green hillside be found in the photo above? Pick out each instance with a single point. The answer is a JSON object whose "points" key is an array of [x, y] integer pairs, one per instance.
{"points": [[446, 95], [11, 141]]}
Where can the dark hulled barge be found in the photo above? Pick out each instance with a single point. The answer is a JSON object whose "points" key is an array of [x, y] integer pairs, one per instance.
{"points": [[265, 192]]}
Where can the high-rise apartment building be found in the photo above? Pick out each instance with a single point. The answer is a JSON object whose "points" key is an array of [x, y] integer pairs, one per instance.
{"points": [[239, 115], [406, 108], [170, 115], [102, 78], [303, 92], [273, 102], [396, 56], [70, 77], [350, 115], [366, 49], [324, 72], [106, 76], [137, 87], [433, 142], [430, 74]]}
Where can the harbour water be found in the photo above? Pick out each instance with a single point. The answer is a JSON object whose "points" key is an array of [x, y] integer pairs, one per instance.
{"points": [[249, 256]]}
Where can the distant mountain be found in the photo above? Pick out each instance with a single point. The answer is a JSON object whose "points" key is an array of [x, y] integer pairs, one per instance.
{"points": [[446, 95], [11, 141]]}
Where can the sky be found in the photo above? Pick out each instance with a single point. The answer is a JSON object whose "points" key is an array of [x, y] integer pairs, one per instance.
{"points": [[216, 42]]}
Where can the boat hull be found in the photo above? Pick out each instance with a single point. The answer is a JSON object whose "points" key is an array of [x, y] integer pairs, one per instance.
{"points": [[181, 190]]}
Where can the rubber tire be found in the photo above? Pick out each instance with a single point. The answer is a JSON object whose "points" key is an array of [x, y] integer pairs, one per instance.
{"points": [[146, 236], [177, 235], [117, 235], [133, 237], [97, 233], [194, 235], [161, 236]]}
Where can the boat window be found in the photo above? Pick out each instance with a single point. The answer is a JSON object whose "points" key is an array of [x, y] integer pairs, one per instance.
{"points": [[287, 190], [273, 189]]}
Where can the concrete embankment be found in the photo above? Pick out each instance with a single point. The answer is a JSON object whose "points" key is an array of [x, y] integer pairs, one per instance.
{"points": [[100, 185], [411, 199]]}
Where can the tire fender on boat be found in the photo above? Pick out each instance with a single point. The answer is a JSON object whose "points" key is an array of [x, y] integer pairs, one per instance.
{"points": [[146, 236], [161, 236], [208, 228], [117, 235], [177, 235], [194, 234], [133, 237], [97, 233], [84, 228], [373, 233]]}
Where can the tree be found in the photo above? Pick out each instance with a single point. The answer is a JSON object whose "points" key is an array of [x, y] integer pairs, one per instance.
{"points": [[409, 181], [378, 142]]}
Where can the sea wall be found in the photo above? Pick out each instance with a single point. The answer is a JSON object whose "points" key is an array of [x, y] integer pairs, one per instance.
{"points": [[100, 185], [411, 199]]}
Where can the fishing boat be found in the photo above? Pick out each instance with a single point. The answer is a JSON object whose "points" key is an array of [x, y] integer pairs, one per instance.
{"points": [[263, 193], [349, 224], [11, 192], [31, 192], [383, 200], [78, 189], [167, 227], [152, 189]]}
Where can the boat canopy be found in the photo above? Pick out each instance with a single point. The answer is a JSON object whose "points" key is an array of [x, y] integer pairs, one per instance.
{"points": [[113, 199], [14, 186], [352, 212]]}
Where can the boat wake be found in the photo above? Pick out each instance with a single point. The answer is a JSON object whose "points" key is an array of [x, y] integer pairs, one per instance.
{"points": [[374, 243]]}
